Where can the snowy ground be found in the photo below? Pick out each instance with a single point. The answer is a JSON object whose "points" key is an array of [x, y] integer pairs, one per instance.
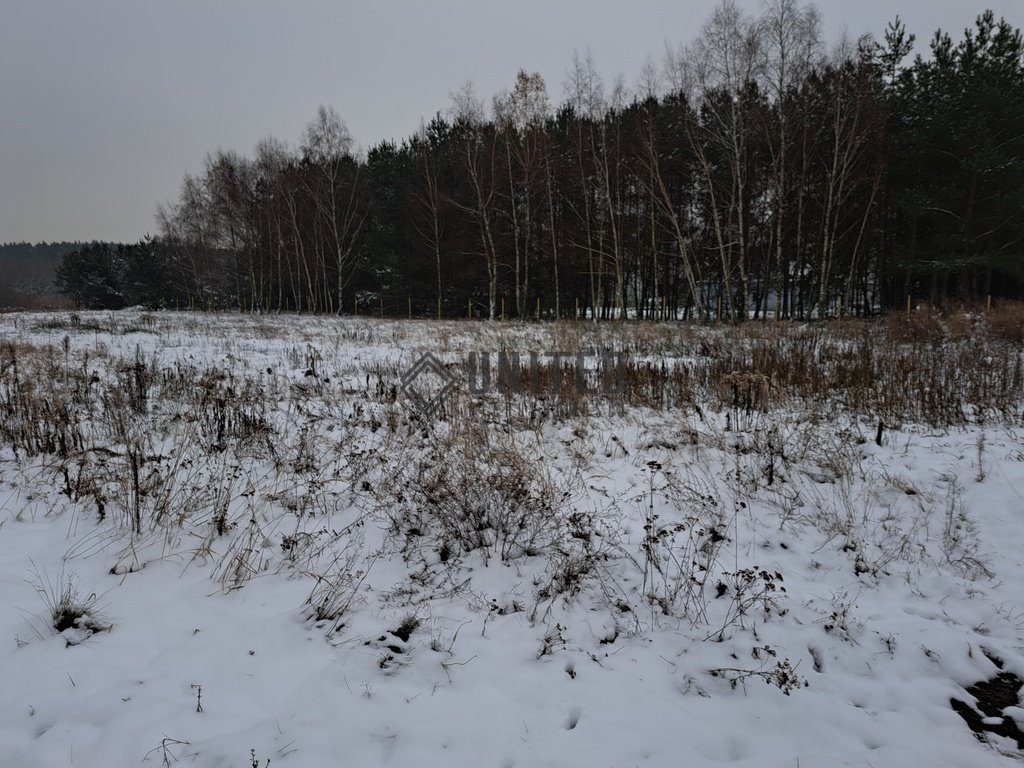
{"points": [[278, 561]]}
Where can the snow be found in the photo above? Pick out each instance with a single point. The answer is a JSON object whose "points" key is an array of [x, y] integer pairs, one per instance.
{"points": [[901, 566]]}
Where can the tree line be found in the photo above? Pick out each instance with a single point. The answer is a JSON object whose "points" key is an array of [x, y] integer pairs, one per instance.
{"points": [[753, 173], [28, 270]]}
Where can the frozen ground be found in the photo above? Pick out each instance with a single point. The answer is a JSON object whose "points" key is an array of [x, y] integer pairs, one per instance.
{"points": [[272, 559]]}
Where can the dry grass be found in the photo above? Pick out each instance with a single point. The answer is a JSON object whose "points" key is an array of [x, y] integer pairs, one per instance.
{"points": [[279, 468]]}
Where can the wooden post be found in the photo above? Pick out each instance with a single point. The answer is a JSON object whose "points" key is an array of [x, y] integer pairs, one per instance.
{"points": [[577, 307], [410, 307], [908, 306], [718, 313], [988, 303], [469, 308], [503, 309], [355, 306], [538, 308], [382, 306]]}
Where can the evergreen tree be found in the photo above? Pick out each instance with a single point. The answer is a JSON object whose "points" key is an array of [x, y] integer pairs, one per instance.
{"points": [[89, 276]]}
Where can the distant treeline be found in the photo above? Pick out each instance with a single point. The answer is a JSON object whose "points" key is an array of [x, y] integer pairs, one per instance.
{"points": [[27, 273], [753, 172]]}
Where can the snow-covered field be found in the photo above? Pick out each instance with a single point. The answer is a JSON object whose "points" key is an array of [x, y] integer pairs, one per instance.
{"points": [[256, 551]]}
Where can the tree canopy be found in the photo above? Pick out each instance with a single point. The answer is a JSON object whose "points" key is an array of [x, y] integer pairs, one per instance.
{"points": [[753, 173]]}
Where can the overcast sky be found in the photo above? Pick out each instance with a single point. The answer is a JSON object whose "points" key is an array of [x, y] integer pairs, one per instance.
{"points": [[104, 105]]}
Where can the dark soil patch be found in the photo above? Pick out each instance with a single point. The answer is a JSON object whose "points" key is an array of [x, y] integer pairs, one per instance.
{"points": [[993, 696], [406, 628]]}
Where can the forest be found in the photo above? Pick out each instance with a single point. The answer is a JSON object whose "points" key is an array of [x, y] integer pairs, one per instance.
{"points": [[28, 271], [755, 172]]}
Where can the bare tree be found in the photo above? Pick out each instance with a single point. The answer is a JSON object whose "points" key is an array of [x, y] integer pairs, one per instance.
{"points": [[790, 47], [478, 155], [428, 194], [585, 93], [186, 226], [850, 122], [272, 161], [661, 196], [520, 117], [722, 64], [230, 181], [327, 145]]}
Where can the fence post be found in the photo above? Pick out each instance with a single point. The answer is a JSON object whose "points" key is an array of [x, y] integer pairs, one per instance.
{"points": [[908, 306]]}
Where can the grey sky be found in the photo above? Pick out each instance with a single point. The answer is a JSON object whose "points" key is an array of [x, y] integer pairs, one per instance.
{"points": [[104, 105]]}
